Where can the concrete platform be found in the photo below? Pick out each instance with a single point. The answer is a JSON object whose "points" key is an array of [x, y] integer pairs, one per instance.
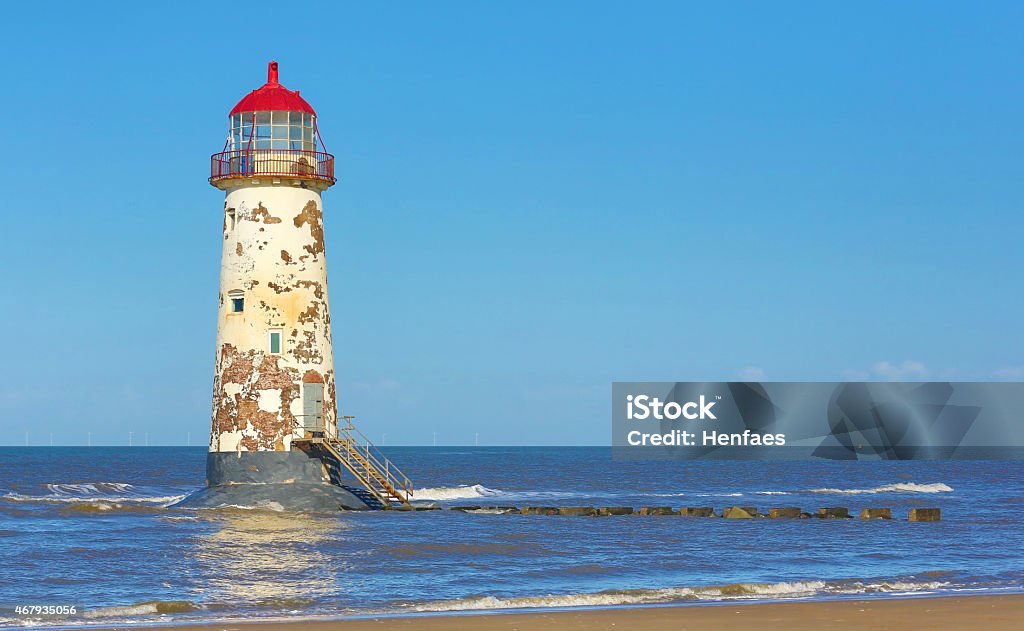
{"points": [[276, 480], [294, 497]]}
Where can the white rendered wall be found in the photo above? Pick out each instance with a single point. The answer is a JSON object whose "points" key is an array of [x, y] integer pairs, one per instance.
{"points": [[274, 254]]}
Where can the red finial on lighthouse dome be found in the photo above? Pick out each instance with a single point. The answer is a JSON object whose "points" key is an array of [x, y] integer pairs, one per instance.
{"points": [[273, 97]]}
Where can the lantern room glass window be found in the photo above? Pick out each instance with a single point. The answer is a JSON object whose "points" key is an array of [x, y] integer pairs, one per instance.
{"points": [[291, 131]]}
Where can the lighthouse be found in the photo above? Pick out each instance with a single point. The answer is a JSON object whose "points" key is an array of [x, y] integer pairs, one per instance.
{"points": [[276, 437]]}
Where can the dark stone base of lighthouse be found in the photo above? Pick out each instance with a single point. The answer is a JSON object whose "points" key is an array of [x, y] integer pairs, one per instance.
{"points": [[278, 480]]}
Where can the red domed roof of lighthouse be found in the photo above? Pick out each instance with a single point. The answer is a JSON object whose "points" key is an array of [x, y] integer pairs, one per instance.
{"points": [[273, 96]]}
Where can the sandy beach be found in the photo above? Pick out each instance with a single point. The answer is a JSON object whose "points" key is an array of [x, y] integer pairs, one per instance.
{"points": [[972, 612]]}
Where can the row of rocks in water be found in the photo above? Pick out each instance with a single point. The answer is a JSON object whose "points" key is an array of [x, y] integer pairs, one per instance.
{"points": [[731, 512]]}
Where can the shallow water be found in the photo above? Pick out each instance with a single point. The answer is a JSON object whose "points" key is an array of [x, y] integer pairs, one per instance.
{"points": [[90, 526]]}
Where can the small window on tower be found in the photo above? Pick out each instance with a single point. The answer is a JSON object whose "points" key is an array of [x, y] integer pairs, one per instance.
{"points": [[231, 219], [237, 301], [275, 342]]}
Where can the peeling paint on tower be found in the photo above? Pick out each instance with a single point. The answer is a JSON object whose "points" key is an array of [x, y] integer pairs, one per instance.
{"points": [[261, 213], [312, 217], [258, 390]]}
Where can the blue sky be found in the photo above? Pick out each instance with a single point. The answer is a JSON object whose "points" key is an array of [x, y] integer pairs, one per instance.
{"points": [[536, 199]]}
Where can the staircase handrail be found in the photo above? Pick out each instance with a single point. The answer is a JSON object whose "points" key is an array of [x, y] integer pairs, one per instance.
{"points": [[377, 462], [380, 462]]}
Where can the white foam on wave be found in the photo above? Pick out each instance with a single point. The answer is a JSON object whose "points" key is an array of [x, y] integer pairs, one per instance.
{"points": [[743, 591], [476, 491], [118, 492], [163, 500], [119, 611], [901, 487], [898, 587], [88, 488], [162, 607], [266, 505], [462, 492]]}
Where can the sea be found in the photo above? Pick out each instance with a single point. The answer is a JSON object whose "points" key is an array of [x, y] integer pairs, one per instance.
{"points": [[93, 528]]}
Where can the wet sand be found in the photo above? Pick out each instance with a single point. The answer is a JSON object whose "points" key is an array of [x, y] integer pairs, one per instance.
{"points": [[971, 612]]}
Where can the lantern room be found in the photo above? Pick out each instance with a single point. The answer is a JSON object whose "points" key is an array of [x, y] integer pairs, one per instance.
{"points": [[272, 132]]}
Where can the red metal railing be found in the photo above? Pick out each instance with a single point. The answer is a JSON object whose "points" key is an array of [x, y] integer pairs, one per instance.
{"points": [[313, 165]]}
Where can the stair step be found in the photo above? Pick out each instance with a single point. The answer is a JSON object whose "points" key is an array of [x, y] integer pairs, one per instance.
{"points": [[379, 482]]}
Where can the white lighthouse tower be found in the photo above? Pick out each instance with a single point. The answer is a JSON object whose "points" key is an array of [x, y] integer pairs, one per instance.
{"points": [[276, 435]]}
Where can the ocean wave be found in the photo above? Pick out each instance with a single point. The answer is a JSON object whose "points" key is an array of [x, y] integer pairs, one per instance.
{"points": [[163, 500], [496, 510], [463, 492], [97, 493], [103, 506], [901, 487], [145, 608], [262, 505], [90, 488], [739, 591], [476, 491]]}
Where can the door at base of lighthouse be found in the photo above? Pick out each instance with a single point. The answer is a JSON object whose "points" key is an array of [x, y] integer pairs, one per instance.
{"points": [[313, 407]]}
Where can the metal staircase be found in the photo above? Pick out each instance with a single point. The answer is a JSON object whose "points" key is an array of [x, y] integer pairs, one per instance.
{"points": [[349, 449]]}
